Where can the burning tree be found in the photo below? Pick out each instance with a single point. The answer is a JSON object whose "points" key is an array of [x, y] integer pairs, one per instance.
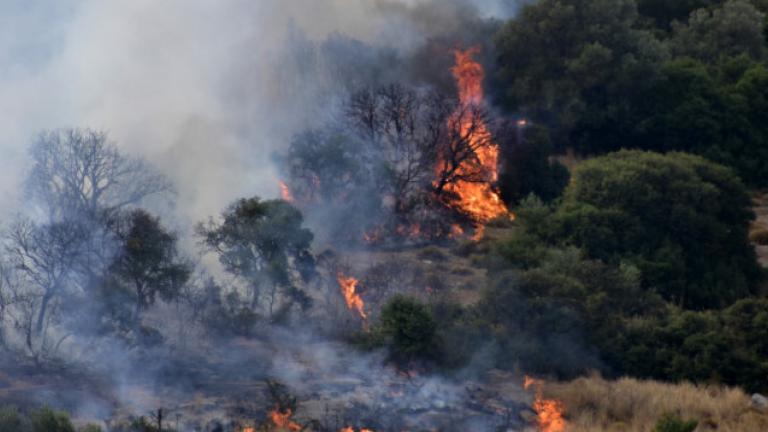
{"points": [[468, 167], [415, 160]]}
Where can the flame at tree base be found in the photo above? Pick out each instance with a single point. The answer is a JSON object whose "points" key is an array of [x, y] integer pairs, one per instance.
{"points": [[477, 199], [282, 420], [549, 412]]}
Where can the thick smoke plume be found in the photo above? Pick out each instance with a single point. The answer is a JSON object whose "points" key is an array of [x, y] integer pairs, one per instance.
{"points": [[206, 90]]}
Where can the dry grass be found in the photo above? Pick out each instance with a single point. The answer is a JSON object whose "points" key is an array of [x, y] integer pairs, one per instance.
{"points": [[759, 237], [595, 404]]}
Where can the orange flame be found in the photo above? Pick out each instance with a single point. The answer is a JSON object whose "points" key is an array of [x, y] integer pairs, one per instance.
{"points": [[348, 287], [456, 231], [351, 429], [285, 193], [549, 412], [249, 429], [477, 199], [283, 420]]}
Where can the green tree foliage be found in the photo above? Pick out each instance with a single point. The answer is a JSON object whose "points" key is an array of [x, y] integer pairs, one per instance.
{"points": [[48, 420], [692, 80], [527, 169], [547, 313], [717, 112], [323, 164], [678, 218], [734, 28], [10, 419], [664, 12], [410, 330], [571, 61], [673, 423], [148, 262], [715, 346], [553, 309], [263, 243]]}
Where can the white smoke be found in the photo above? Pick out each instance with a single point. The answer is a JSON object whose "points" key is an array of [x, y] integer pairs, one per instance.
{"points": [[189, 84]]}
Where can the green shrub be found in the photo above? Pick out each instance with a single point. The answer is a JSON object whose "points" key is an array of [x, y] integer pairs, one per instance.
{"points": [[10, 420], [47, 420], [410, 330], [680, 219], [673, 423]]}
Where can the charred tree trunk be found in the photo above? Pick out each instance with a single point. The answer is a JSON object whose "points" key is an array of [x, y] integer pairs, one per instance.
{"points": [[43, 310]]}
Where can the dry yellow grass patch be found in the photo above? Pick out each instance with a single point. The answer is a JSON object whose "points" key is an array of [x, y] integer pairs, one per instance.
{"points": [[596, 404]]}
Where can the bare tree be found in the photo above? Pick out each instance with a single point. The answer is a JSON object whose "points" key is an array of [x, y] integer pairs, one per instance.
{"points": [[80, 172], [404, 129], [466, 137], [426, 140], [45, 257]]}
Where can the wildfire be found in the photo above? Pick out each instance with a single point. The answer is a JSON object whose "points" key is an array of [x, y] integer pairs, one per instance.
{"points": [[283, 420], [412, 231], [549, 412], [351, 429], [477, 199], [348, 287], [285, 193]]}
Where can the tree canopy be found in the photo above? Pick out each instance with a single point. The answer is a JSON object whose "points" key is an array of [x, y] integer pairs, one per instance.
{"points": [[680, 219], [264, 244]]}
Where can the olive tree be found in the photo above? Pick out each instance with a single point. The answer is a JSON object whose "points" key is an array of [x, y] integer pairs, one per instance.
{"points": [[264, 245]]}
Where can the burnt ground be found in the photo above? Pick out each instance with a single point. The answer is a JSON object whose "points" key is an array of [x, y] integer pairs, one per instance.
{"points": [[200, 391], [226, 383]]}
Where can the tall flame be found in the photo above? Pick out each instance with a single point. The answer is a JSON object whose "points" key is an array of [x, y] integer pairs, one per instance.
{"points": [[477, 199], [285, 193], [549, 412], [283, 421], [348, 287]]}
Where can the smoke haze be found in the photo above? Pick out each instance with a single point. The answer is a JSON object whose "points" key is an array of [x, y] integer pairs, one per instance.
{"points": [[205, 90]]}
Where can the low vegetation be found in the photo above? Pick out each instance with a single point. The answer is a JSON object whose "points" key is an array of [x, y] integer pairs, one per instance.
{"points": [[629, 405]]}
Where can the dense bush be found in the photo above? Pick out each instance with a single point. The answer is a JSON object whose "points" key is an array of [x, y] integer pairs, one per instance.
{"points": [[678, 218], [673, 423], [409, 329], [43, 419], [716, 346], [527, 168], [644, 268], [648, 74]]}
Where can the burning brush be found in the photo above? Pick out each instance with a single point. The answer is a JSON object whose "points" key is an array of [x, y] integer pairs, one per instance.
{"points": [[549, 412]]}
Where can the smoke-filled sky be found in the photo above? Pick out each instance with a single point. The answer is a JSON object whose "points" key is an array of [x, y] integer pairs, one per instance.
{"points": [[188, 84]]}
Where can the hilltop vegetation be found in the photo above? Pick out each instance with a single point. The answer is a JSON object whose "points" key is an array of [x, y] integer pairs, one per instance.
{"points": [[636, 262]]}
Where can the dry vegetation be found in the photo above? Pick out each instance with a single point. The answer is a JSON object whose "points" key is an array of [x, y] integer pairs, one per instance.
{"points": [[630, 405]]}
